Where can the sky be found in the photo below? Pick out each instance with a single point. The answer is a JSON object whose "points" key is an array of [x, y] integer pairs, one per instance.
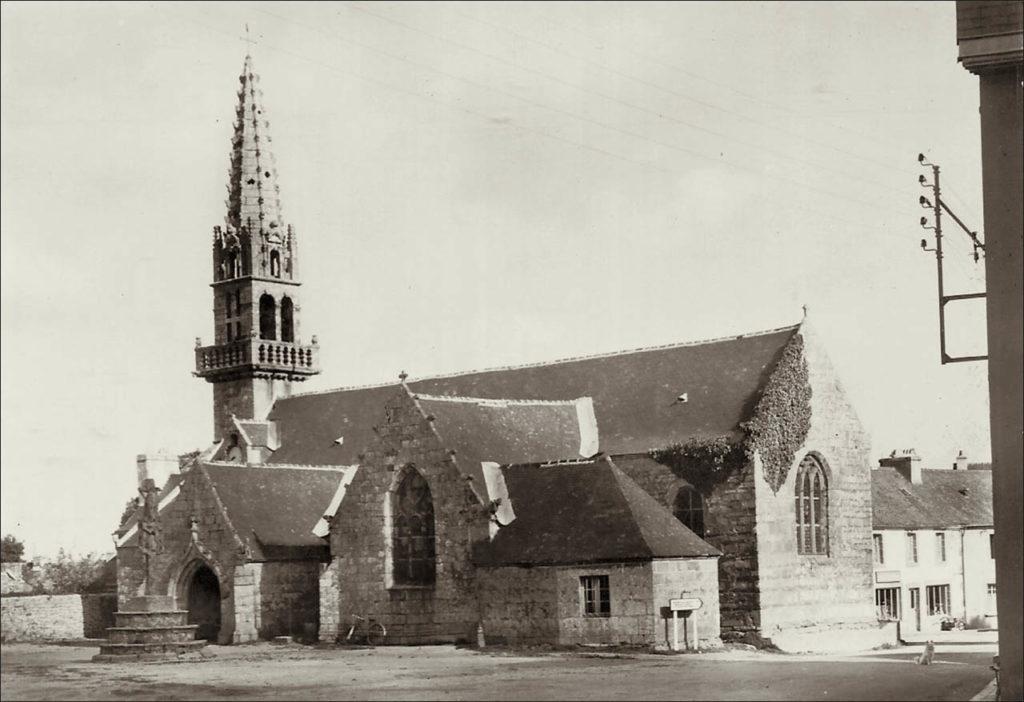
{"points": [[472, 185]]}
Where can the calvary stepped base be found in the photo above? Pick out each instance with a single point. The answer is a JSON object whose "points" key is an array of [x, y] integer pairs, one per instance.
{"points": [[150, 628]]}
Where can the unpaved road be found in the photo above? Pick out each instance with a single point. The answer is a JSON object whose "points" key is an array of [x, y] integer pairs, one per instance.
{"points": [[266, 672]]}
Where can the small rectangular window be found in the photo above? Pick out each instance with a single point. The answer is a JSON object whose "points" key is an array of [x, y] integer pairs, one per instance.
{"points": [[879, 549], [595, 599], [938, 599], [992, 607], [991, 545], [940, 547], [911, 548]]}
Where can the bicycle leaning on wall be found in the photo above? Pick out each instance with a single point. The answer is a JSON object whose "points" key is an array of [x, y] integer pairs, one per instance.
{"points": [[367, 631]]}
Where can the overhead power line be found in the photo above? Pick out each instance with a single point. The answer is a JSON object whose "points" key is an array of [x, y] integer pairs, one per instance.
{"points": [[490, 120], [708, 105], [873, 204]]}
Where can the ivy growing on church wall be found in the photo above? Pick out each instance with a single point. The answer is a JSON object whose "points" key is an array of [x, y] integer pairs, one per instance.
{"points": [[782, 417], [703, 463], [776, 430]]}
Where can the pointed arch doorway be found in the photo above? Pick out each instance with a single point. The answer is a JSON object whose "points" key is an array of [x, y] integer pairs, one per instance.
{"points": [[201, 588]]}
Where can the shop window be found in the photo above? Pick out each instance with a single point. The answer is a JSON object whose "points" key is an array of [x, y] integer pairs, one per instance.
{"points": [[937, 597], [887, 603]]}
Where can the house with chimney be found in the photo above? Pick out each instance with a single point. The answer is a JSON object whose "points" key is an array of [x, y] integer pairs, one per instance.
{"points": [[933, 543], [585, 500]]}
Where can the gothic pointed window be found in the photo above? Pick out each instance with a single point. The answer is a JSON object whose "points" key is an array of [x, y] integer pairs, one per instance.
{"points": [[275, 263], [412, 531], [689, 509], [268, 314], [811, 507], [287, 319]]}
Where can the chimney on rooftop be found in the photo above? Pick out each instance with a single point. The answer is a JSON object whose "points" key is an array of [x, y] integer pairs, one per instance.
{"points": [[961, 461], [157, 466], [907, 463]]}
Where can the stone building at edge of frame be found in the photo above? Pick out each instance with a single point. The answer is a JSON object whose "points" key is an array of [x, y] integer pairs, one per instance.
{"points": [[563, 502]]}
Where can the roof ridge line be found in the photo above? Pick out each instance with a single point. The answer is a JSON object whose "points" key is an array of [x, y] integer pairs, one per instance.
{"points": [[333, 468], [568, 359], [490, 400], [607, 354], [340, 388]]}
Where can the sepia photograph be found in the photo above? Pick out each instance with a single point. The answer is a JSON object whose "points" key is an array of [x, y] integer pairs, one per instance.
{"points": [[520, 350]]}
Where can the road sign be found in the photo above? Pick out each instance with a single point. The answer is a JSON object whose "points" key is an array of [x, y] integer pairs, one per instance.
{"points": [[685, 604]]}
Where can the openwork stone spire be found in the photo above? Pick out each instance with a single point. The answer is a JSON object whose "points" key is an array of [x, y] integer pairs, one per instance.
{"points": [[254, 199], [255, 240], [258, 352]]}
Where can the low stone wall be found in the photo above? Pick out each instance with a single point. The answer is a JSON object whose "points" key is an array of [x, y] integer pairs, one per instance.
{"points": [[56, 617]]}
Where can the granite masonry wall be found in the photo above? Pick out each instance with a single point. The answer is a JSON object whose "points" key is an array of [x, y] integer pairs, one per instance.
{"points": [[520, 605], [448, 610], [56, 617], [730, 526], [289, 599], [686, 577], [807, 600], [542, 604]]}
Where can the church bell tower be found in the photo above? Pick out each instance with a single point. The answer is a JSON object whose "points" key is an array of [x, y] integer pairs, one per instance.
{"points": [[257, 352]]}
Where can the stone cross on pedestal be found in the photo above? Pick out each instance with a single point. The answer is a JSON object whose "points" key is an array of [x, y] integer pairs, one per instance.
{"points": [[150, 540]]}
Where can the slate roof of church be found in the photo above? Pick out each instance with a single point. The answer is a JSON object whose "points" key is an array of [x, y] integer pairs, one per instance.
{"points": [[944, 499], [635, 396], [504, 432], [274, 509], [586, 512]]}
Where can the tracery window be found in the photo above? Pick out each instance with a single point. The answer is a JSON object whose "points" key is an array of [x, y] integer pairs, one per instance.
{"points": [[811, 507], [689, 509], [412, 531]]}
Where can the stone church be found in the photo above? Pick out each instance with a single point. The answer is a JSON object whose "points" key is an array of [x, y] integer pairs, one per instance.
{"points": [[563, 502]]}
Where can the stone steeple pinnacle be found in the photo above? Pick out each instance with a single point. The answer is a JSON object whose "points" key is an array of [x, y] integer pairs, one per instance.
{"points": [[258, 353], [254, 197], [254, 240]]}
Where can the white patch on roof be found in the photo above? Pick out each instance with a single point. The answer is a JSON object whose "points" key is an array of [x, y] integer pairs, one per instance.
{"points": [[497, 490], [588, 427], [168, 499], [323, 526]]}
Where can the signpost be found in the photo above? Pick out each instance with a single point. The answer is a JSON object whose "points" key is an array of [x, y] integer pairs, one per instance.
{"points": [[686, 605]]}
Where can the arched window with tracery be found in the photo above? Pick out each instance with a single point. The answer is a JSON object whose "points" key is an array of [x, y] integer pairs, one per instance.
{"points": [[689, 509], [287, 319], [268, 321], [811, 507], [412, 531]]}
